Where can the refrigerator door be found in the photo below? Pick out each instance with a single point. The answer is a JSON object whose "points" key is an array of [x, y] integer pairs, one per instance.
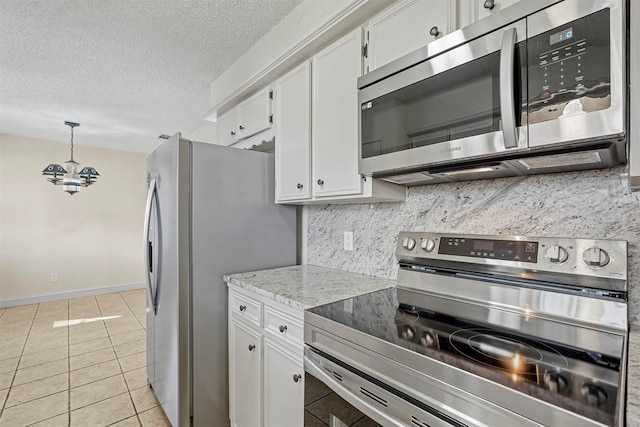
{"points": [[236, 227], [150, 253], [170, 292]]}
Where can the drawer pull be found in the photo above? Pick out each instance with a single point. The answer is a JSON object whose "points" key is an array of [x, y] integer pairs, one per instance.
{"points": [[243, 307], [296, 378], [283, 328], [251, 347]]}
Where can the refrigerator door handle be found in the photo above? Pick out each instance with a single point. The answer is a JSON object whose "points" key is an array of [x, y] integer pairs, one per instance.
{"points": [[148, 255]]}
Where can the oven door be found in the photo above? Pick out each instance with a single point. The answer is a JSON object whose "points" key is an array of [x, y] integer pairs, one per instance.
{"points": [[462, 104]]}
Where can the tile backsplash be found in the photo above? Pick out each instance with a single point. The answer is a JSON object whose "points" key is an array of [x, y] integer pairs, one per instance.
{"points": [[591, 204]]}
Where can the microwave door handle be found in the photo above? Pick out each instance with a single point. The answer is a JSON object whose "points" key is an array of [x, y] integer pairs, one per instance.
{"points": [[148, 253], [507, 87]]}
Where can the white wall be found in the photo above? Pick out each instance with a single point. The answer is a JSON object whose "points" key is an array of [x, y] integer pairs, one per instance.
{"points": [[92, 240]]}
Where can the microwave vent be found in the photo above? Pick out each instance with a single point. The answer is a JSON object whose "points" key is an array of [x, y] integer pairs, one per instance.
{"points": [[561, 160]]}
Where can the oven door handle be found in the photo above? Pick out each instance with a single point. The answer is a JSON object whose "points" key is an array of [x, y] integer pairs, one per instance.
{"points": [[364, 406], [507, 88]]}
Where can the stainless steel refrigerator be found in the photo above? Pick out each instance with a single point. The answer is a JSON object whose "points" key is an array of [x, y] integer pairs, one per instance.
{"points": [[210, 211]]}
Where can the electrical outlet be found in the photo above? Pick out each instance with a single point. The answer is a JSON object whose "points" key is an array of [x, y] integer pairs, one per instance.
{"points": [[348, 240], [53, 277]]}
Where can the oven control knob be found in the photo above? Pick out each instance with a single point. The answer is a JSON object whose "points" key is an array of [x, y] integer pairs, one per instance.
{"points": [[408, 243], [408, 333], [594, 395], [427, 339], [555, 382], [556, 254], [596, 257], [428, 245]]}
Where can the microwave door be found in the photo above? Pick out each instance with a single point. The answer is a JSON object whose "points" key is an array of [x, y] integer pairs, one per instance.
{"points": [[465, 103]]}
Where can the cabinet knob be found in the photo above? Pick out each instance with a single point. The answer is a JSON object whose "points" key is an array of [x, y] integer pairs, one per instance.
{"points": [[296, 378], [320, 182], [434, 31], [243, 307], [488, 4], [252, 347], [232, 133], [282, 328], [241, 127], [300, 186]]}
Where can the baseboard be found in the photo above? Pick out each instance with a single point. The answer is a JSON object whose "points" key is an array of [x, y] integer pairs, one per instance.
{"points": [[68, 295]]}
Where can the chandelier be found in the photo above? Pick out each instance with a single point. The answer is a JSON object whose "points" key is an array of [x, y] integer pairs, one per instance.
{"points": [[74, 176]]}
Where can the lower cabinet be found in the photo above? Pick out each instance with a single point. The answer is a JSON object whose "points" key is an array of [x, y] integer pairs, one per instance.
{"points": [[266, 372], [245, 380], [283, 387]]}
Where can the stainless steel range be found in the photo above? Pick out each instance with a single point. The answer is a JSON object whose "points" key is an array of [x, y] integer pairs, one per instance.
{"points": [[483, 331]]}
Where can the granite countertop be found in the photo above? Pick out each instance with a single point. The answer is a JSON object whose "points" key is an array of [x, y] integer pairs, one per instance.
{"points": [[304, 286]]}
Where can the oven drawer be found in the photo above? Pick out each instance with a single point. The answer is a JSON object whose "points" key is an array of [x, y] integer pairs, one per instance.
{"points": [[245, 308], [283, 326]]}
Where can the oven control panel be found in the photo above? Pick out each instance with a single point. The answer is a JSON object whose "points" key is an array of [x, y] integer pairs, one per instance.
{"points": [[588, 257], [510, 250]]}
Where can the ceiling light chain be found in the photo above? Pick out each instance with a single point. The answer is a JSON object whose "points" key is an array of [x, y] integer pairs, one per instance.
{"points": [[74, 176]]}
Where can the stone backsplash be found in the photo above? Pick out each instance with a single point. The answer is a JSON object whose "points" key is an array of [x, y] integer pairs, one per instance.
{"points": [[591, 204]]}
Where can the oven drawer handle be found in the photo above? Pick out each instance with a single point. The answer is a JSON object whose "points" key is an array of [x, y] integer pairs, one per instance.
{"points": [[365, 407], [507, 88]]}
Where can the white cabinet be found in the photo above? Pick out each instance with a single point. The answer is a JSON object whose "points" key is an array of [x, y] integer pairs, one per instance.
{"points": [[473, 10], [254, 114], [405, 27], [293, 134], [245, 380], [283, 386], [227, 128], [266, 373], [248, 118], [335, 117]]}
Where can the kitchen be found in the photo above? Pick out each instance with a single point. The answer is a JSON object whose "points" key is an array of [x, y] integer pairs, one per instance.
{"points": [[591, 204]]}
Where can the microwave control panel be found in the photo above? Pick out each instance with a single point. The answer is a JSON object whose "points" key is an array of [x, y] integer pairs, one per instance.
{"points": [[569, 69]]}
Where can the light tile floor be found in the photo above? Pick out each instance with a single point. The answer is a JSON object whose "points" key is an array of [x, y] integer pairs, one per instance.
{"points": [[77, 362]]}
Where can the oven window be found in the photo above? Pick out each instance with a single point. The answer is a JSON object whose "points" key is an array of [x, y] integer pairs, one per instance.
{"points": [[454, 104]]}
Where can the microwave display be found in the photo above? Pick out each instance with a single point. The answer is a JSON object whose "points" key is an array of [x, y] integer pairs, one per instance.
{"points": [[569, 69]]}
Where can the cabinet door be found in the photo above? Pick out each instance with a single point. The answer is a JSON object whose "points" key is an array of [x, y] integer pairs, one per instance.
{"points": [[487, 7], [293, 134], [245, 380], [227, 128], [405, 27], [283, 387], [335, 117], [254, 114]]}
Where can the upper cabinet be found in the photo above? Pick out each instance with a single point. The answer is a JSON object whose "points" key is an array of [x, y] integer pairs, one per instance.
{"points": [[473, 10], [487, 7], [228, 127], [293, 133], [248, 118], [405, 27], [335, 117], [254, 114]]}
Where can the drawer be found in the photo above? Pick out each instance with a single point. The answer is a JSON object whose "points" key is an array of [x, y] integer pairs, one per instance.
{"points": [[245, 308], [283, 326]]}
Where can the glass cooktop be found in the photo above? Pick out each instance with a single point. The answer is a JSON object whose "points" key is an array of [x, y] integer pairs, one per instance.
{"points": [[495, 348]]}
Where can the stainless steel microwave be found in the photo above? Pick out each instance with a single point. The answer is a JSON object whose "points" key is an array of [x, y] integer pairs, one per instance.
{"points": [[537, 87]]}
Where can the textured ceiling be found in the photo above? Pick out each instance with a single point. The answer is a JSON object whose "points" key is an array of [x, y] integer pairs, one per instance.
{"points": [[126, 70]]}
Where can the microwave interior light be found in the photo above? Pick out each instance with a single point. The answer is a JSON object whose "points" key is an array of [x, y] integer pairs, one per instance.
{"points": [[409, 178], [561, 160], [470, 171]]}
